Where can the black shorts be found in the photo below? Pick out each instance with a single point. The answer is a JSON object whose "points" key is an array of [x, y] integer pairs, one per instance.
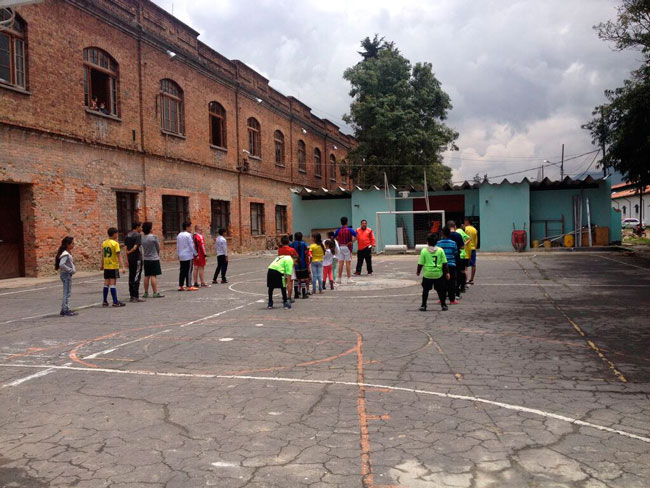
{"points": [[274, 279], [462, 264], [302, 274], [152, 268], [111, 274], [437, 283]]}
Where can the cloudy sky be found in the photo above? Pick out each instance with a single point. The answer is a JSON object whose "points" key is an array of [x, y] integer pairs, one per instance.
{"points": [[522, 75]]}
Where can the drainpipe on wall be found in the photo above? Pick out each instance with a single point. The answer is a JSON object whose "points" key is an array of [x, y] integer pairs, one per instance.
{"points": [[241, 237], [325, 161], [140, 95]]}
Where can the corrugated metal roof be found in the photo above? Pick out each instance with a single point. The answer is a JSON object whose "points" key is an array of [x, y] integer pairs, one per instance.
{"points": [[545, 184]]}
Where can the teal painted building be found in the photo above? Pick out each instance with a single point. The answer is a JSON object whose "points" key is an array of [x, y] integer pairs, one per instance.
{"points": [[545, 209]]}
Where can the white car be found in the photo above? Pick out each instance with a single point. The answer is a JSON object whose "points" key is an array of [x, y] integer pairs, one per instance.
{"points": [[630, 223]]}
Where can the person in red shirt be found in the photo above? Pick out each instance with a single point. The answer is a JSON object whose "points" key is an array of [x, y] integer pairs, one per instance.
{"points": [[365, 242], [287, 250]]}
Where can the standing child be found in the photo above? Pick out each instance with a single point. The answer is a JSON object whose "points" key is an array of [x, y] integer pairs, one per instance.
{"points": [[133, 248], [65, 264], [317, 250], [199, 259], [328, 262], [221, 245], [434, 262], [186, 253], [302, 266], [451, 251], [276, 276], [151, 256], [287, 250], [111, 265], [336, 252]]}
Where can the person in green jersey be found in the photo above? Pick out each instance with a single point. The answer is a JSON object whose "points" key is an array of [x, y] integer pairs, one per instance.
{"points": [[436, 273], [461, 279], [276, 277]]}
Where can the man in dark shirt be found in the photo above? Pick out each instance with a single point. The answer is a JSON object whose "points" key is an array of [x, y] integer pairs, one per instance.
{"points": [[458, 239], [133, 245]]}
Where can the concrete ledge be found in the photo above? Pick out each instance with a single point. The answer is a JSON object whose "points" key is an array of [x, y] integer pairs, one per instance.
{"points": [[395, 249]]}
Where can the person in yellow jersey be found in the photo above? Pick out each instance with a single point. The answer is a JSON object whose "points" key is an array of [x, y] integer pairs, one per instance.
{"points": [[317, 253], [471, 231], [461, 268], [276, 277], [111, 264], [436, 273]]}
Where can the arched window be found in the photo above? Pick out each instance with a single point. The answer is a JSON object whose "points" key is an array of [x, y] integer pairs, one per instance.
{"points": [[171, 103], [12, 51], [278, 138], [254, 138], [318, 171], [100, 81], [332, 167], [217, 124], [302, 157]]}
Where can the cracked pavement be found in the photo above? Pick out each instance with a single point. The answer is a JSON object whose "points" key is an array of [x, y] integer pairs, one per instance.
{"points": [[540, 377]]}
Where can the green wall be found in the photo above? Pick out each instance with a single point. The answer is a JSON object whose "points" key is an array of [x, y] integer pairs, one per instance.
{"points": [[500, 206], [551, 204], [318, 214], [365, 205]]}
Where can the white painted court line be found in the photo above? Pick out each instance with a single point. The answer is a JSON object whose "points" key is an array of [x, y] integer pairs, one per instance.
{"points": [[82, 307], [507, 406], [623, 262], [49, 314], [30, 377], [193, 322], [100, 279]]}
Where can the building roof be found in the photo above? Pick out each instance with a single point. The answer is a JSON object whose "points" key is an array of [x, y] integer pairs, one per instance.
{"points": [[545, 184], [629, 193]]}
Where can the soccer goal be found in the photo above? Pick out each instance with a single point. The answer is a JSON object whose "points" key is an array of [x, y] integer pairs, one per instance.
{"points": [[407, 227]]}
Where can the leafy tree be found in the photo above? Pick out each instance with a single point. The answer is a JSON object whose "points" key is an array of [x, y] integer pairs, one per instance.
{"points": [[397, 114], [622, 125]]}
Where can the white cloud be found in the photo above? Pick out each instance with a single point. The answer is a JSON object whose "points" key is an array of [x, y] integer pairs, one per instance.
{"points": [[523, 75]]}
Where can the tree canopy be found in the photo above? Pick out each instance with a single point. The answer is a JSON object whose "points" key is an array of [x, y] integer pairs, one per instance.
{"points": [[622, 124], [397, 114]]}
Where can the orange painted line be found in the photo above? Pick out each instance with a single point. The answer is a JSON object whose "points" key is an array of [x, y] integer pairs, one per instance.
{"points": [[367, 479], [299, 365], [381, 390], [379, 417], [32, 350]]}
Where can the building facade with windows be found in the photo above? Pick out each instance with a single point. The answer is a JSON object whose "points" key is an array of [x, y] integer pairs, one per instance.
{"points": [[114, 110]]}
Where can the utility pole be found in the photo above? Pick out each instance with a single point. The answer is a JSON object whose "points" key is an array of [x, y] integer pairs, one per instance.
{"points": [[562, 164], [602, 141]]}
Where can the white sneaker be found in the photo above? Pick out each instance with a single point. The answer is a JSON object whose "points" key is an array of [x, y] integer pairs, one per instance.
{"points": [[350, 280]]}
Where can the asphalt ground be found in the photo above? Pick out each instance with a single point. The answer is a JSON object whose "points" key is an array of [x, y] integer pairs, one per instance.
{"points": [[540, 377]]}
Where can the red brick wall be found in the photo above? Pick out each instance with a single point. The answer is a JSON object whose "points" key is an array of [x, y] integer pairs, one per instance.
{"points": [[72, 162]]}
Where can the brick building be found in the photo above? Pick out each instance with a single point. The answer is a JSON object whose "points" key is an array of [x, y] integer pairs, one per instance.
{"points": [[113, 110]]}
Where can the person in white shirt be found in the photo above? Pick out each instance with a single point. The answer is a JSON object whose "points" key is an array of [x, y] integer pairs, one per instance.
{"points": [[222, 257], [186, 253]]}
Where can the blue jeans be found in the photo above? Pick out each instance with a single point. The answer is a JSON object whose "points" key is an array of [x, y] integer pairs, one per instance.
{"points": [[66, 278], [317, 276]]}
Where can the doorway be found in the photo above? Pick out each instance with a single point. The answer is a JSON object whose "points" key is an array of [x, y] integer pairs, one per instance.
{"points": [[12, 252]]}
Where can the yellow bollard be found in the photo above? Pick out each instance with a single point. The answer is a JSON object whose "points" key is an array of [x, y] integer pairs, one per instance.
{"points": [[547, 244], [568, 240], [535, 243]]}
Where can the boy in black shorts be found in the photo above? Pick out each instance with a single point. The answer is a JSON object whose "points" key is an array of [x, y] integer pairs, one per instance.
{"points": [[111, 264]]}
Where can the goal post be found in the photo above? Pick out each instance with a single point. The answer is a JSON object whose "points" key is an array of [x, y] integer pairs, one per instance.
{"points": [[408, 227]]}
